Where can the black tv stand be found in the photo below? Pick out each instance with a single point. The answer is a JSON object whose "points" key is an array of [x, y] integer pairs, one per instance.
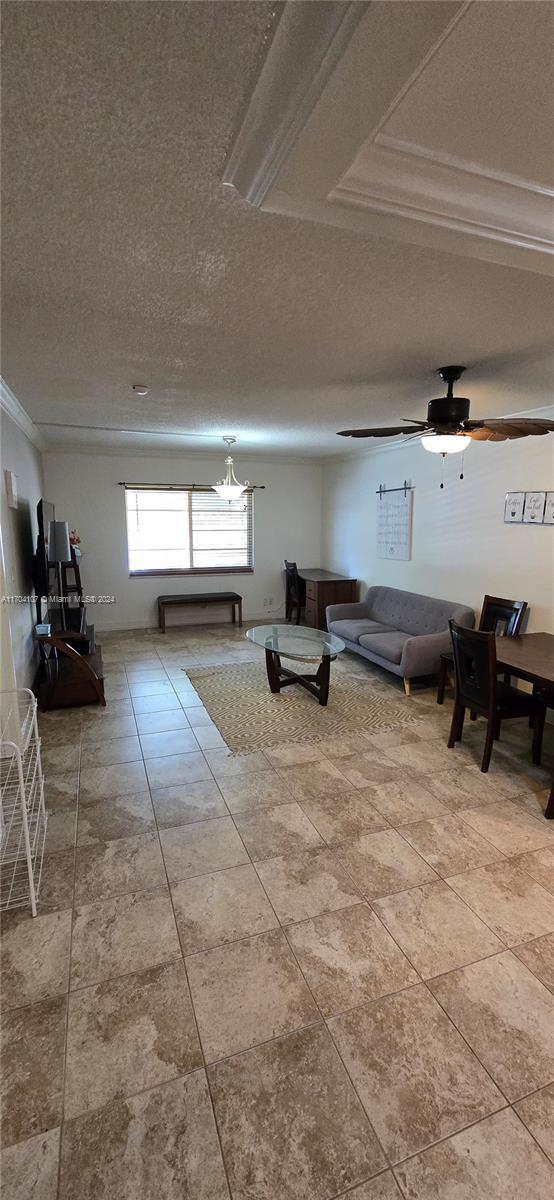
{"points": [[71, 672]]}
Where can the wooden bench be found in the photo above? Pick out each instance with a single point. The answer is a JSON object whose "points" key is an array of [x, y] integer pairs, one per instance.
{"points": [[202, 599]]}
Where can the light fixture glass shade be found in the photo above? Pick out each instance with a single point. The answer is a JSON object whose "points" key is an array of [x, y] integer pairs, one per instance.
{"points": [[445, 443], [230, 488]]}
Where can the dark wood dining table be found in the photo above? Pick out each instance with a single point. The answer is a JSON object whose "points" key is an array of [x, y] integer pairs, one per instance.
{"points": [[530, 656]]}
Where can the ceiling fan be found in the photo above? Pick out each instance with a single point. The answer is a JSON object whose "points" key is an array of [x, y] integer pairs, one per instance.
{"points": [[448, 429]]}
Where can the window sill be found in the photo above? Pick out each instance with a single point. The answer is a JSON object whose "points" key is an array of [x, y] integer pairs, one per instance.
{"points": [[195, 571]]}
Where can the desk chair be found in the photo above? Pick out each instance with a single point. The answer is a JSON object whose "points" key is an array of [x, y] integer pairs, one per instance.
{"points": [[478, 688], [502, 617], [295, 595]]}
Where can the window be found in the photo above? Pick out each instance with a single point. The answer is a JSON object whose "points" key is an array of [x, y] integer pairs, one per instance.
{"points": [[177, 530]]}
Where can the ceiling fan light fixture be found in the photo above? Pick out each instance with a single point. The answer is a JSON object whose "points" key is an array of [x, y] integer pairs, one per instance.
{"points": [[445, 443]]}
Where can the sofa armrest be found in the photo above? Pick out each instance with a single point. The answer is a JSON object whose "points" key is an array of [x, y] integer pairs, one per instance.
{"points": [[346, 612], [421, 654]]}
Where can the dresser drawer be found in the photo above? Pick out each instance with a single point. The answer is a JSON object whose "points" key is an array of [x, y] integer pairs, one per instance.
{"points": [[311, 590], [310, 614]]}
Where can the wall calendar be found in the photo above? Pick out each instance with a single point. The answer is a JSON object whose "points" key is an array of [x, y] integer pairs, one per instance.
{"points": [[394, 522]]}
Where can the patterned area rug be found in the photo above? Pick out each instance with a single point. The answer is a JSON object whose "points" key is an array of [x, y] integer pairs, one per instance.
{"points": [[249, 717]]}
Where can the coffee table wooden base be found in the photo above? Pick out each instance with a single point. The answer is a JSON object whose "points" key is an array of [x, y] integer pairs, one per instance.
{"points": [[280, 677]]}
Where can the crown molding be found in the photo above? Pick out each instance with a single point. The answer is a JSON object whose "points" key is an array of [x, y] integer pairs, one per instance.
{"points": [[308, 42], [13, 409], [407, 180]]}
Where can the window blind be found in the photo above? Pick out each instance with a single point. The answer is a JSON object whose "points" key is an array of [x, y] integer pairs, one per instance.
{"points": [[187, 529]]}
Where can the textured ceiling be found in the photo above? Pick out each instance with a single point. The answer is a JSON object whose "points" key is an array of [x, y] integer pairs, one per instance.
{"points": [[125, 260]]}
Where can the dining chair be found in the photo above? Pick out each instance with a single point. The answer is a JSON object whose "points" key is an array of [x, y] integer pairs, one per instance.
{"points": [[295, 594], [501, 617], [479, 690]]}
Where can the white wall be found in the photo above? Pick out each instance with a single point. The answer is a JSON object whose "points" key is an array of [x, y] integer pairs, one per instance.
{"points": [[461, 546], [84, 488], [19, 534]]}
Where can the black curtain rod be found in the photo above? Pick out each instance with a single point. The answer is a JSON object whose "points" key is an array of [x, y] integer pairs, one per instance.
{"points": [[181, 487], [406, 487]]}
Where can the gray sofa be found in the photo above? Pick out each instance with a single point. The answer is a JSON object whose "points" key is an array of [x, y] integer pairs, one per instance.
{"points": [[401, 631]]}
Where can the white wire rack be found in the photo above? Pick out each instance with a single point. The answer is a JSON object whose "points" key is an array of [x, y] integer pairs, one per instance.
{"points": [[22, 811]]}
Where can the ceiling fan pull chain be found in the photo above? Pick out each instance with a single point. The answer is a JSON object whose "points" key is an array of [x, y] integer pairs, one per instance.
{"points": [[462, 470], [443, 456]]}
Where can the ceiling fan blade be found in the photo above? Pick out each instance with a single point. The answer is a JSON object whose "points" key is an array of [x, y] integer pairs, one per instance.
{"points": [[389, 431], [505, 429]]}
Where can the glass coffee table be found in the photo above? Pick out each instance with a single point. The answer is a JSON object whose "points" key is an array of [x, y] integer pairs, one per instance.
{"points": [[297, 642]]}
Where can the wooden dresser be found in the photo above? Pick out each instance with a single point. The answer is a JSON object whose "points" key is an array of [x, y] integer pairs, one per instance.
{"points": [[323, 588]]}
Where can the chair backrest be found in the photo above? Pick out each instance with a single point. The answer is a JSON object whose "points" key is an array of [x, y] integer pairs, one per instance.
{"points": [[502, 617], [293, 588], [475, 666]]}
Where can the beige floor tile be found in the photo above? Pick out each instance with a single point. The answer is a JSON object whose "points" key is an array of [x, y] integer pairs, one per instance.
{"points": [[508, 900], [511, 778], [101, 783], [349, 958], [510, 828], [30, 1169], [450, 845], [539, 864], [404, 799], [341, 817], [507, 1016], [118, 817], [176, 769], [496, 1159], [170, 741], [161, 722], [56, 881], [263, 993], [33, 1041], [291, 754], [197, 715], [368, 766], [417, 1079], [383, 1187], [221, 907], [269, 1101], [105, 869], [61, 758], [188, 802], [403, 735], [283, 829], [383, 863], [435, 928], [423, 759], [307, 781], [305, 885], [538, 956], [35, 957], [463, 787], [60, 790], [158, 687], [224, 763], [246, 793], [537, 1113], [209, 738], [128, 1034], [160, 1144], [195, 849], [166, 702], [111, 752], [61, 830], [127, 933], [534, 802], [107, 727]]}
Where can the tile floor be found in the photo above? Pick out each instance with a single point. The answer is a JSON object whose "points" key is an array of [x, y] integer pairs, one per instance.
{"points": [[317, 972]]}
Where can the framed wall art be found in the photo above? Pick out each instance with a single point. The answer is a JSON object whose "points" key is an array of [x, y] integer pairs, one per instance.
{"points": [[513, 507], [533, 509]]}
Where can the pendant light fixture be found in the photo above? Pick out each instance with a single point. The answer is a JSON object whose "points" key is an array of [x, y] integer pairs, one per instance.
{"points": [[230, 488]]}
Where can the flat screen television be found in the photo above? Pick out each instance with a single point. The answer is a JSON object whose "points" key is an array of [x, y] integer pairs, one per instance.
{"points": [[44, 575]]}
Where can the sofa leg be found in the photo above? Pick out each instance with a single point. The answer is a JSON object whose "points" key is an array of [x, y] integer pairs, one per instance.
{"points": [[407, 687]]}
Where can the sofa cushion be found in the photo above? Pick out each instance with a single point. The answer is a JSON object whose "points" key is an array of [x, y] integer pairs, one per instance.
{"points": [[386, 645], [414, 613], [352, 630]]}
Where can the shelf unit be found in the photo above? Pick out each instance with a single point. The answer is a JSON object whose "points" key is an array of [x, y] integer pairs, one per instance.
{"points": [[22, 812]]}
